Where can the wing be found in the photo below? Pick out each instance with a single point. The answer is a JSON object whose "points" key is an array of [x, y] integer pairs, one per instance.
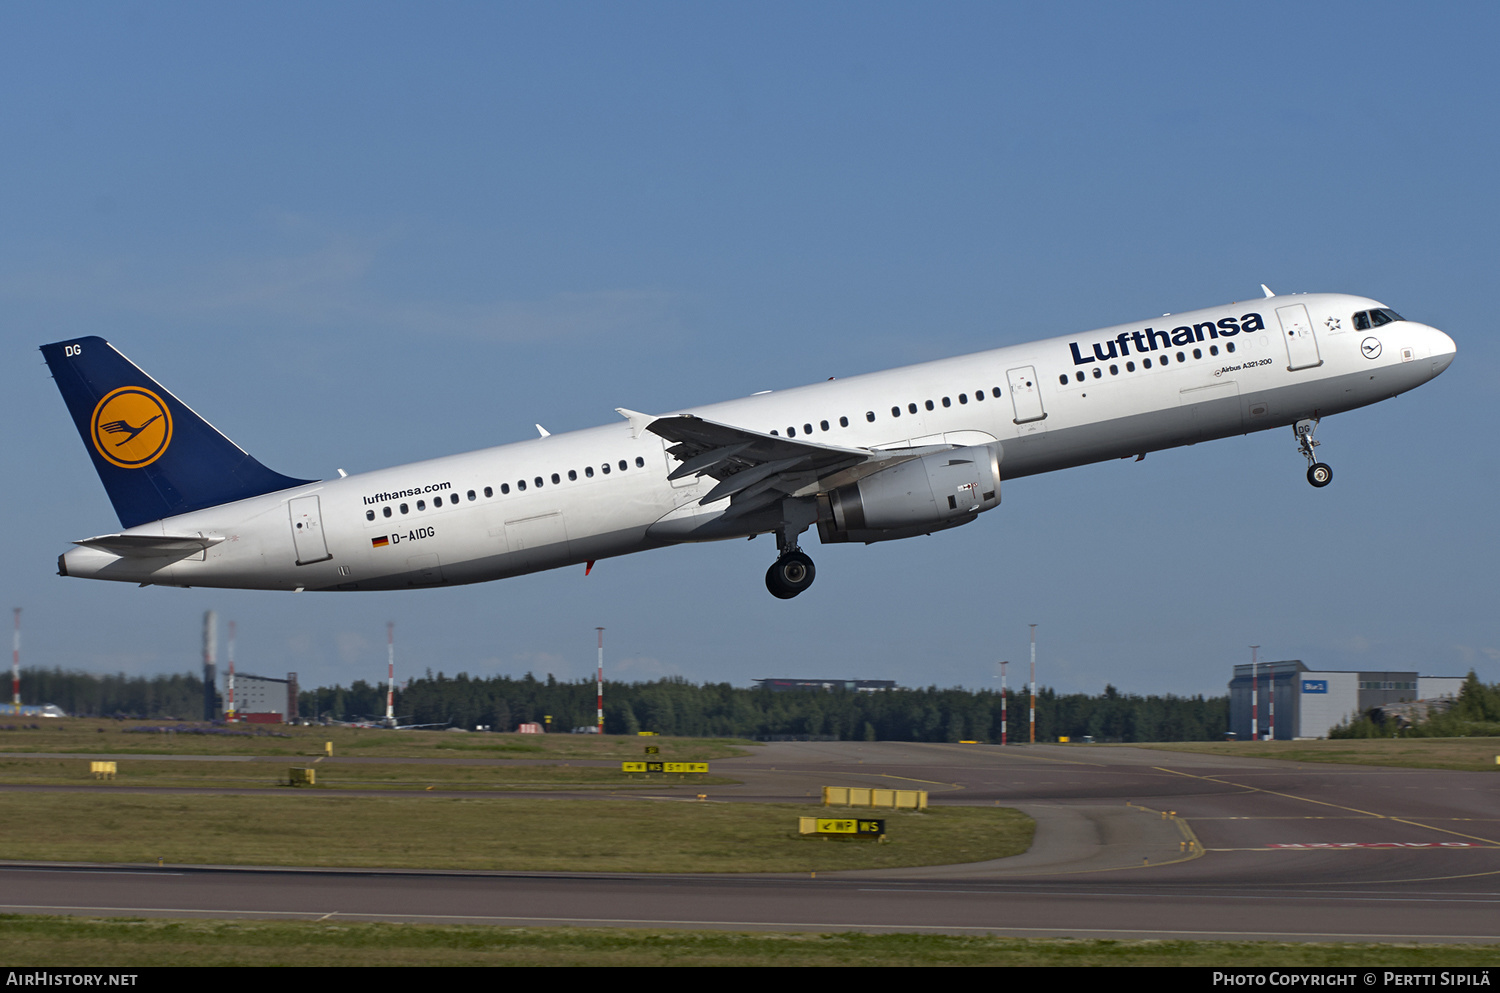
{"points": [[756, 470]]}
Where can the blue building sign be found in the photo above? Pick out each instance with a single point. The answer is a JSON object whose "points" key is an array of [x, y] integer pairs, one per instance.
{"points": [[1314, 686]]}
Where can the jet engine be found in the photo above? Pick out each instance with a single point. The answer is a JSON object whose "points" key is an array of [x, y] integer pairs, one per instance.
{"points": [[932, 493]]}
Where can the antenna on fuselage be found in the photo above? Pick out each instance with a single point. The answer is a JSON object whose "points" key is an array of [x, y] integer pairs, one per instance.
{"points": [[1267, 290]]}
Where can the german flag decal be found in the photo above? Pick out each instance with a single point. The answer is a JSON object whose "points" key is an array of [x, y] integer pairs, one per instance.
{"points": [[380, 542]]}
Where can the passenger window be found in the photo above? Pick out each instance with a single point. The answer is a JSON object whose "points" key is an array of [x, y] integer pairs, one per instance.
{"points": [[895, 411], [1164, 360], [588, 471], [1130, 367], [995, 392], [1063, 379], [807, 428], [1114, 370], [538, 481], [556, 479], [1197, 353], [369, 515], [1079, 376], [912, 407], [823, 425], [843, 422], [1228, 346], [605, 467], [963, 398], [504, 487], [791, 432], [1097, 373], [948, 403], [572, 475], [489, 492], [979, 395], [622, 465], [1145, 363], [640, 463], [929, 405], [403, 508], [870, 416], [471, 496], [521, 485], [385, 511], [1213, 349], [421, 504], [1181, 357]]}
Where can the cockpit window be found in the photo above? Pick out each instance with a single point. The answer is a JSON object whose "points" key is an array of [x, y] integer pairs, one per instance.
{"points": [[1367, 319]]}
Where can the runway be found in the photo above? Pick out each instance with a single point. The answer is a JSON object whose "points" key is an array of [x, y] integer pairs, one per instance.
{"points": [[1257, 850]]}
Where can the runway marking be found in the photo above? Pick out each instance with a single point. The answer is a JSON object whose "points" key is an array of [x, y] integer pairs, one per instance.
{"points": [[1448, 846], [1325, 803], [792, 925]]}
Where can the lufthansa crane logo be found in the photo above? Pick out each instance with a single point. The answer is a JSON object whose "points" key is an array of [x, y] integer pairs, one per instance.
{"points": [[131, 427]]}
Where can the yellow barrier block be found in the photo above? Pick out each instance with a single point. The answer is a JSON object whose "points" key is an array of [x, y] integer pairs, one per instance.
{"points": [[303, 777], [859, 796], [102, 770]]}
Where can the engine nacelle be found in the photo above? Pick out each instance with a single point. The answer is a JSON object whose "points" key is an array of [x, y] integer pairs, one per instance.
{"points": [[932, 493]]}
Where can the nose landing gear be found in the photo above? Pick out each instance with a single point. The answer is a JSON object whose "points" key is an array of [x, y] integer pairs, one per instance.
{"points": [[1320, 474]]}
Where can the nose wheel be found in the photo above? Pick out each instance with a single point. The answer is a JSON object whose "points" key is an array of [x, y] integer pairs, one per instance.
{"points": [[1318, 473], [790, 575]]}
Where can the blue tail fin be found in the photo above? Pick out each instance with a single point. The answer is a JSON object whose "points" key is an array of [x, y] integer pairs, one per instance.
{"points": [[155, 456]]}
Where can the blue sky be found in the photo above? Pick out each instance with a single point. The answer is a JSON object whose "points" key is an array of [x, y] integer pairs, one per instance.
{"points": [[355, 235]]}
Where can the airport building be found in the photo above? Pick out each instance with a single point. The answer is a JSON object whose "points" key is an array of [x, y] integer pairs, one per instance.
{"points": [[263, 700], [1304, 703], [856, 685]]}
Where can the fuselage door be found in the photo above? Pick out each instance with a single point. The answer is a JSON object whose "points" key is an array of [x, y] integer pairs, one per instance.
{"points": [[1297, 331], [307, 530], [1026, 395]]}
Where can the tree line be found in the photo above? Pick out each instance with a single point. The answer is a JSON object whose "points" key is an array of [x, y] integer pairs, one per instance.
{"points": [[676, 707]]}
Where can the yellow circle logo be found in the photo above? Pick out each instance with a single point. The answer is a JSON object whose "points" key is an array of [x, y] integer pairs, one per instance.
{"points": [[131, 427]]}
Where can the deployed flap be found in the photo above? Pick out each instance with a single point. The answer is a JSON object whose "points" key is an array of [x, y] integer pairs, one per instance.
{"points": [[757, 469], [145, 546]]}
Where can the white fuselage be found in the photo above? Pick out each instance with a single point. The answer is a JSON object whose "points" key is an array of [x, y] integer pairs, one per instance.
{"points": [[604, 491]]}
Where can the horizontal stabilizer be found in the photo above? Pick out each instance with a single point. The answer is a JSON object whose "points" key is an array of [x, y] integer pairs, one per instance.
{"points": [[149, 546]]}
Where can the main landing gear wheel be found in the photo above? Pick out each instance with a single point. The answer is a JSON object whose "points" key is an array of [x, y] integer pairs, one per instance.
{"points": [[790, 575], [1319, 474]]}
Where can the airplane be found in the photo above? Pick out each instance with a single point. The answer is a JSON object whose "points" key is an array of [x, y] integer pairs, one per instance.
{"points": [[873, 457]]}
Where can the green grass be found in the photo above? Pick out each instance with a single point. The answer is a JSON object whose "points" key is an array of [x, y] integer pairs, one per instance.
{"points": [[314, 829], [126, 943], [1463, 754], [86, 736], [395, 775]]}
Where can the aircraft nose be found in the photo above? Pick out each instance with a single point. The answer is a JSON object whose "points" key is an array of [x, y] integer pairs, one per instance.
{"points": [[1441, 348]]}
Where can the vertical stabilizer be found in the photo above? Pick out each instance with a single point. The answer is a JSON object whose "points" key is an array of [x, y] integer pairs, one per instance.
{"points": [[155, 456]]}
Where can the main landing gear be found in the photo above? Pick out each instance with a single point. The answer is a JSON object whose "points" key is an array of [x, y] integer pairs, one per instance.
{"points": [[792, 570], [790, 575], [1318, 473]]}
